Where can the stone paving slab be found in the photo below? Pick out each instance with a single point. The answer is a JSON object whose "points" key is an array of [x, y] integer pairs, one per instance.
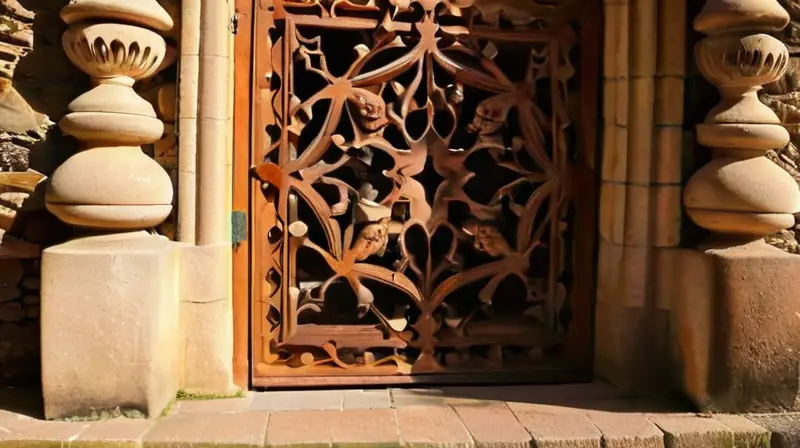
{"points": [[493, 426], [420, 397], [240, 430], [39, 434], [568, 430], [367, 399], [117, 433], [691, 432], [9, 420], [543, 394], [291, 400], [373, 428], [349, 428], [295, 429], [746, 433], [785, 429], [223, 406], [627, 430], [432, 426], [447, 417]]}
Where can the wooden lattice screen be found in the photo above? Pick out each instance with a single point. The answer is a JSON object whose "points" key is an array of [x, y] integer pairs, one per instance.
{"points": [[425, 194]]}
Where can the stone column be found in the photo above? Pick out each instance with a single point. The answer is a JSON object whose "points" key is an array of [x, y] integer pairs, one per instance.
{"points": [[110, 296], [738, 331], [206, 305], [640, 205]]}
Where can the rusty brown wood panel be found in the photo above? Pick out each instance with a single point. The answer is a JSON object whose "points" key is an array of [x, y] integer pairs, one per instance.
{"points": [[423, 191], [242, 183]]}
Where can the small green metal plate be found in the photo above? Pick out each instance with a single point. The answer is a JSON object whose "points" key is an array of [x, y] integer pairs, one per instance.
{"points": [[238, 227]]}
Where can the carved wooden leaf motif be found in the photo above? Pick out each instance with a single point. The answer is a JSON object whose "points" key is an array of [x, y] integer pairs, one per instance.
{"points": [[417, 165]]}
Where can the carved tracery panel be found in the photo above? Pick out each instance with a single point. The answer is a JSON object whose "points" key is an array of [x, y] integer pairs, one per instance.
{"points": [[415, 211]]}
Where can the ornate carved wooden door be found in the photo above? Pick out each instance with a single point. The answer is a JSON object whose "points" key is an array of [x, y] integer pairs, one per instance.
{"points": [[426, 203]]}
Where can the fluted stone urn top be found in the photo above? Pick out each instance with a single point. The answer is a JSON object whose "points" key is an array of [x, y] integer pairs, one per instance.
{"points": [[741, 61], [106, 50]]}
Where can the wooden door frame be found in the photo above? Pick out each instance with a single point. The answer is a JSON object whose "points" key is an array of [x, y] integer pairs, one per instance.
{"points": [[591, 45], [242, 184]]}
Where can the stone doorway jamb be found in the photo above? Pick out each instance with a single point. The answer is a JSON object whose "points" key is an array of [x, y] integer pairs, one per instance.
{"points": [[640, 206]]}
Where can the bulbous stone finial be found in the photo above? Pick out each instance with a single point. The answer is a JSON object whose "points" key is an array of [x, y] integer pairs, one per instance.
{"points": [[112, 185], [740, 192]]}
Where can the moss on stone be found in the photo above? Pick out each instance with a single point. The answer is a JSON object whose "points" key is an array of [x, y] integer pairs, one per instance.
{"points": [[106, 414], [184, 395]]}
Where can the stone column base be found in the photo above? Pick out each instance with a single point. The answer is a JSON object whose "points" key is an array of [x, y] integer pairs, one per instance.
{"points": [[738, 328], [630, 348], [207, 320], [109, 322]]}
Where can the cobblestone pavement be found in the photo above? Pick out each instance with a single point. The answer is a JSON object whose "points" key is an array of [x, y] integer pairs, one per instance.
{"points": [[573, 416]]}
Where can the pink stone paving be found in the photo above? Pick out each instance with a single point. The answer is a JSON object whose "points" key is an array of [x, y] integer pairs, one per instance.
{"points": [[224, 406], [567, 430], [117, 433], [483, 417], [367, 399], [287, 429], [236, 430], [493, 426], [368, 428], [41, 434], [432, 426], [689, 432], [351, 428], [627, 430]]}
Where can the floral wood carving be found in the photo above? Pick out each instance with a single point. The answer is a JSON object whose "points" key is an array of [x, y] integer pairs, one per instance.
{"points": [[417, 166]]}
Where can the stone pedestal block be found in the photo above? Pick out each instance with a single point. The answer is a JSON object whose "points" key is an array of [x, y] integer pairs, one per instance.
{"points": [[110, 309], [738, 327]]}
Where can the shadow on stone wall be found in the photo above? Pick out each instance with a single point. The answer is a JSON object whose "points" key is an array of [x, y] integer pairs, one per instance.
{"points": [[47, 81]]}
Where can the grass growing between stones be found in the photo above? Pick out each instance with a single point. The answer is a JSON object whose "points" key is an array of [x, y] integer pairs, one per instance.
{"points": [[182, 395], [98, 415], [168, 409], [194, 396]]}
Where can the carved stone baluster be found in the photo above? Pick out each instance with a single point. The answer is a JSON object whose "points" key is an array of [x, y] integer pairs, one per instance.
{"points": [[740, 192], [739, 337], [109, 297], [112, 185]]}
